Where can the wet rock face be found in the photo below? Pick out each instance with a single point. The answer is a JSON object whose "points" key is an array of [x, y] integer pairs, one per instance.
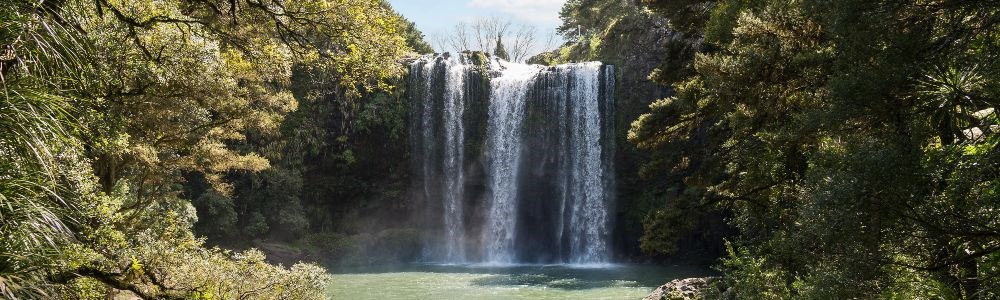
{"points": [[683, 289], [513, 162]]}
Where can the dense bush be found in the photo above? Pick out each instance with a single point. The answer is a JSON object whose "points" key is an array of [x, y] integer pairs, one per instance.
{"points": [[853, 142], [114, 113]]}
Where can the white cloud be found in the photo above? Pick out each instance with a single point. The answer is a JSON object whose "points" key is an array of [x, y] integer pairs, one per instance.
{"points": [[527, 10]]}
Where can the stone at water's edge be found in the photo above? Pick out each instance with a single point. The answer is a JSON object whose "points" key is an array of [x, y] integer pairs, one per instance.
{"points": [[678, 289]]}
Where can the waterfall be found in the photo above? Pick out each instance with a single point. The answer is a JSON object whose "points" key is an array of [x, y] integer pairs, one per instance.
{"points": [[506, 110], [454, 151], [449, 166], [588, 232], [514, 161]]}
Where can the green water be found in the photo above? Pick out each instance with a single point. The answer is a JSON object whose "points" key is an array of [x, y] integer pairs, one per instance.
{"points": [[511, 282]]}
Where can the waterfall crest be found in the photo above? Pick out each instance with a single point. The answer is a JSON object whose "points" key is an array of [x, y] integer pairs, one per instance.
{"points": [[513, 161]]}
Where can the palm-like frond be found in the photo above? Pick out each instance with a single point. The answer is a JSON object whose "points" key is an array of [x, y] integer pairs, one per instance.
{"points": [[37, 60], [952, 96]]}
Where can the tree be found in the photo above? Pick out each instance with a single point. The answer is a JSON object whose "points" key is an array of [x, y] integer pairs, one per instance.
{"points": [[499, 51], [484, 34], [841, 137], [415, 38], [110, 107]]}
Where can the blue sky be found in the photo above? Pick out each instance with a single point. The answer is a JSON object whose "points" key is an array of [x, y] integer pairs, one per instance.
{"points": [[436, 16]]}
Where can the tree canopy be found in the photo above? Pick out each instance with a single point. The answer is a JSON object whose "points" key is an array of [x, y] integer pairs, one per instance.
{"points": [[110, 107], [853, 142]]}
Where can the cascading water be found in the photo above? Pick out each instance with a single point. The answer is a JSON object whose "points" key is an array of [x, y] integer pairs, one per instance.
{"points": [[515, 160], [449, 166], [586, 178], [453, 156], [506, 110]]}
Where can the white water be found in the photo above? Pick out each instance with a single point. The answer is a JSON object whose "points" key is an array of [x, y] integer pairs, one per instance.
{"points": [[453, 158], [453, 150], [506, 112], [575, 112], [589, 217]]}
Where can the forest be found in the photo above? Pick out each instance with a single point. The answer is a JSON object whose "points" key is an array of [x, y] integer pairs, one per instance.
{"points": [[254, 149]]}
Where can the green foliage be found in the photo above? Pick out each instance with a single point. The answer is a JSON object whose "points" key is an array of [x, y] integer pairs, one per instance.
{"points": [[115, 112], [40, 157], [176, 265], [256, 225], [216, 214], [544, 58], [331, 161], [338, 165], [499, 50], [414, 38], [750, 277], [384, 111], [852, 141], [686, 15]]}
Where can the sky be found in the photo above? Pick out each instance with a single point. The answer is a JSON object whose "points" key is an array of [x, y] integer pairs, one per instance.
{"points": [[437, 16]]}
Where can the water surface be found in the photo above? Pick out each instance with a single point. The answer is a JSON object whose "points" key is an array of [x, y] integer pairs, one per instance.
{"points": [[427, 281]]}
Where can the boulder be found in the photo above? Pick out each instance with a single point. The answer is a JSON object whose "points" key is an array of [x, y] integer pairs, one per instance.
{"points": [[678, 289]]}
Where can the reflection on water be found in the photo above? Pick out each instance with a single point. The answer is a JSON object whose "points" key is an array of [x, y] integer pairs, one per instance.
{"points": [[428, 281]]}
